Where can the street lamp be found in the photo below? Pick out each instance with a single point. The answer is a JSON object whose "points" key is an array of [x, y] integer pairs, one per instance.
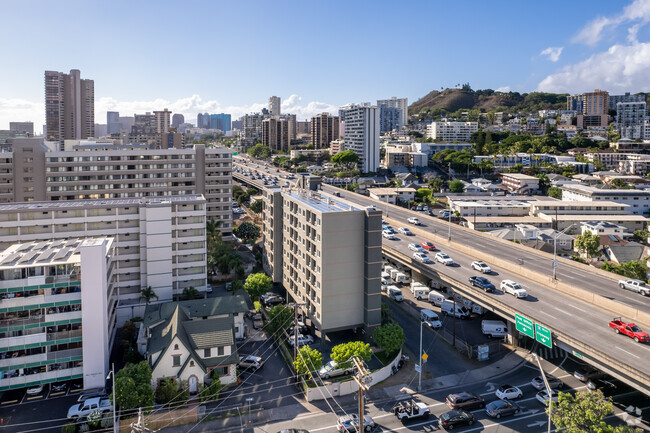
{"points": [[420, 358], [549, 391], [111, 374], [555, 250], [249, 400]]}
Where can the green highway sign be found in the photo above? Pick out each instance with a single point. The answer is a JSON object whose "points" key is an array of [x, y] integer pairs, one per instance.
{"points": [[524, 325], [543, 335]]}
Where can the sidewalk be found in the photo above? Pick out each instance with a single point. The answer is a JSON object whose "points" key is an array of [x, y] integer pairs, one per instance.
{"points": [[377, 395]]}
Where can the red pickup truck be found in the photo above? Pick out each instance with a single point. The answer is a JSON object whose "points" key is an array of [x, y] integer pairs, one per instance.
{"points": [[629, 329]]}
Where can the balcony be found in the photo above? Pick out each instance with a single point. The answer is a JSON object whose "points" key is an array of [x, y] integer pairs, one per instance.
{"points": [[23, 340], [34, 379], [39, 299]]}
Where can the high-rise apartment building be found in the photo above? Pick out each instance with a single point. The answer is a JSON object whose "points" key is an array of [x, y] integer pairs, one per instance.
{"points": [[22, 127], [324, 129], [177, 120], [163, 120], [203, 120], [274, 106], [574, 103], [327, 253], [220, 121], [251, 127], [630, 119], [275, 133], [595, 109], [362, 135], [390, 118], [452, 132], [57, 314], [144, 124], [69, 106], [615, 99], [400, 103], [32, 172], [113, 122]]}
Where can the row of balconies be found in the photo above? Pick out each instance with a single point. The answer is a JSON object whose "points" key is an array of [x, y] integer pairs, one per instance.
{"points": [[35, 379]]}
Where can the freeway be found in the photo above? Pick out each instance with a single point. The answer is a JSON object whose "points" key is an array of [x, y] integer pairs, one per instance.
{"points": [[566, 316]]}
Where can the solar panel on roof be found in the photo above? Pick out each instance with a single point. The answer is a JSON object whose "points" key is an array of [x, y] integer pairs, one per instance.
{"points": [[28, 257], [613, 238]]}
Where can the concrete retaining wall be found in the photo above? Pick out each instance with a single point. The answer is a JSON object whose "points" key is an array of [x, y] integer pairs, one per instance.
{"points": [[612, 306], [335, 389]]}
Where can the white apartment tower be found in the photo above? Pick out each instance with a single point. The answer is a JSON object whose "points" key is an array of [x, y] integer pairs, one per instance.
{"points": [[362, 129], [401, 103], [274, 106], [452, 131], [630, 119]]}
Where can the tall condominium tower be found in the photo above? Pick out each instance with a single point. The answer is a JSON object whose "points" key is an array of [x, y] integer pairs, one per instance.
{"points": [[274, 105], [401, 103], [69, 106], [324, 129], [163, 119], [362, 135]]}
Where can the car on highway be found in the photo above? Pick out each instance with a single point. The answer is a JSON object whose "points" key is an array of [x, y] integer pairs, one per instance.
{"points": [[410, 409], [332, 369], [542, 396], [251, 361], [350, 423], [414, 221], [455, 418], [417, 248], [585, 373], [465, 400], [405, 231], [444, 259], [629, 329], [508, 392], [637, 286], [483, 268], [387, 227], [553, 382], [422, 257], [427, 246], [499, 408], [35, 390], [512, 288], [388, 235], [482, 282]]}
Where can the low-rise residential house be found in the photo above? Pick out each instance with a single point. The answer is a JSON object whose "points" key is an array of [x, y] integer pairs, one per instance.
{"points": [[603, 228], [622, 251], [391, 195], [188, 340], [520, 183]]}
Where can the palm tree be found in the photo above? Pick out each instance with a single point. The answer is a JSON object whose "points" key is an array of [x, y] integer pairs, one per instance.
{"points": [[147, 294], [213, 233], [190, 293]]}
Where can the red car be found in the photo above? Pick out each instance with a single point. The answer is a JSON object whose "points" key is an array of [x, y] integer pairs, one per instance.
{"points": [[428, 246], [629, 329]]}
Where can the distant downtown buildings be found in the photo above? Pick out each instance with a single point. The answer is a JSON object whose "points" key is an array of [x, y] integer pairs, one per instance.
{"points": [[69, 106]]}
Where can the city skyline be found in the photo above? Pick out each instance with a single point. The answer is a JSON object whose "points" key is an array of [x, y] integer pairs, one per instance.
{"points": [[569, 51]]}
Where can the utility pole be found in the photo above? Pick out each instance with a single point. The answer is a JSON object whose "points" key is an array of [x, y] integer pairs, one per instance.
{"points": [[295, 328], [420, 359], [138, 426], [454, 318], [360, 378], [549, 391]]}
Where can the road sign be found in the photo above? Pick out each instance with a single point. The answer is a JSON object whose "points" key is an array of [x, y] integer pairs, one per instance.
{"points": [[554, 263], [417, 368], [543, 335], [424, 357], [524, 325], [579, 355]]}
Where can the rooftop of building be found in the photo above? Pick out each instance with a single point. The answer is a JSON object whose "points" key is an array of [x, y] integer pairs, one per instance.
{"points": [[322, 202], [578, 204], [519, 176], [391, 191], [591, 190], [499, 198], [602, 225], [488, 202], [82, 204], [51, 253]]}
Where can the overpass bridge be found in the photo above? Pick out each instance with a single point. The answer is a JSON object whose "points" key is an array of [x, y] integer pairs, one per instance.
{"points": [[575, 308]]}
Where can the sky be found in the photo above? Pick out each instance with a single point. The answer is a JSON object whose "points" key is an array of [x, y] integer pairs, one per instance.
{"points": [[231, 56]]}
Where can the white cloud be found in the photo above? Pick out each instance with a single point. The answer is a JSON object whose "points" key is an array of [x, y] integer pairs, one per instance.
{"points": [[632, 32], [638, 10], [504, 89], [553, 53], [619, 69], [19, 109]]}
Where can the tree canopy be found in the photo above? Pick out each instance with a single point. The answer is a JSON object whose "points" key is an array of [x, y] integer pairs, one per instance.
{"points": [[308, 360], [247, 232], [133, 386], [588, 244], [389, 337], [456, 186], [342, 353], [257, 284], [260, 151], [280, 320]]}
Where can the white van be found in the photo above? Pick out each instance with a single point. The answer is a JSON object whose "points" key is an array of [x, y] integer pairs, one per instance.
{"points": [[385, 275], [436, 298], [420, 291], [404, 278], [395, 293], [461, 312], [430, 318], [477, 309], [494, 328], [393, 274]]}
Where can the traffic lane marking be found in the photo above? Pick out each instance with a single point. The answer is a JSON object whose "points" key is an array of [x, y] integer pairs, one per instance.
{"points": [[629, 353]]}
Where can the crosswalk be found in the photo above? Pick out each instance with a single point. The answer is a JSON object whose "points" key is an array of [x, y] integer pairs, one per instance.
{"points": [[546, 353]]}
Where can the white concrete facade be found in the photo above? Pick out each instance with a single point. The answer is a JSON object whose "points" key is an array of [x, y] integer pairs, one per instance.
{"points": [[638, 201], [362, 132], [451, 131]]}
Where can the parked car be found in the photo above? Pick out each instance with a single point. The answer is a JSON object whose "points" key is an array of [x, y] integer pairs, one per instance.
{"points": [[427, 246], [405, 231], [444, 259], [59, 387], [455, 418], [553, 382], [482, 283], [350, 423], [302, 340], [88, 406], [258, 323], [499, 408], [272, 301], [583, 374], [331, 369], [35, 390], [91, 394], [481, 267], [414, 221], [250, 361], [629, 329], [417, 248], [513, 288], [421, 257], [509, 392], [637, 286], [542, 396], [465, 400]]}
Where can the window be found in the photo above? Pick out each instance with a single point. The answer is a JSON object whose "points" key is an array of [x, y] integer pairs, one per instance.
{"points": [[176, 360], [175, 346], [191, 363], [206, 353], [223, 371], [220, 351]]}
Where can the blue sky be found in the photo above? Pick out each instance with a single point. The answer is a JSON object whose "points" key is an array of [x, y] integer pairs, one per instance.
{"points": [[194, 56]]}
